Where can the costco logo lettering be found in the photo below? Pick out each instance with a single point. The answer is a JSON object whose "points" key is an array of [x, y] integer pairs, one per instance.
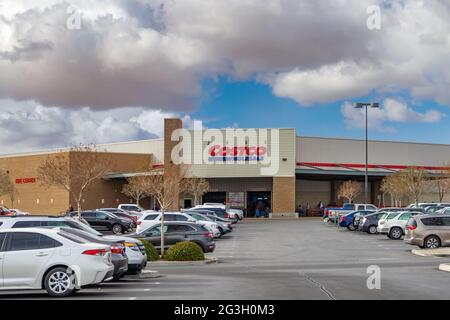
{"points": [[246, 153]]}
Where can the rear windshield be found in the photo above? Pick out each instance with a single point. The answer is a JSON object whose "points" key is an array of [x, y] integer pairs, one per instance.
{"points": [[72, 237], [151, 216]]}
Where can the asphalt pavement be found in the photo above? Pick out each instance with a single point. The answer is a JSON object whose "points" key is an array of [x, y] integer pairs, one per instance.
{"points": [[287, 259]]}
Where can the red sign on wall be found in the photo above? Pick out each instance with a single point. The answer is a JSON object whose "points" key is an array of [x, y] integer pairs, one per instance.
{"points": [[25, 180]]}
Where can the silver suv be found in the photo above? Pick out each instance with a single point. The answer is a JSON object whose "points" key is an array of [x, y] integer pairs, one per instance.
{"points": [[135, 250]]}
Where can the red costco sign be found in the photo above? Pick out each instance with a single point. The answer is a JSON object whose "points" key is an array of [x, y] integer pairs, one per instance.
{"points": [[25, 180]]}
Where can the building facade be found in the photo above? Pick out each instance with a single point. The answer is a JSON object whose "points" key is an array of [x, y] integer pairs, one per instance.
{"points": [[268, 167]]}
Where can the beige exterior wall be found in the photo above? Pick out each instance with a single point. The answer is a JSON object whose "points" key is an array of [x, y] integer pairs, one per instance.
{"points": [[283, 196], [285, 143], [153, 146], [331, 150]]}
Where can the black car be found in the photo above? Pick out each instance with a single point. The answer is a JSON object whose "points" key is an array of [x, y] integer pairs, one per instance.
{"points": [[369, 223], [118, 257], [120, 213], [106, 221], [178, 232]]}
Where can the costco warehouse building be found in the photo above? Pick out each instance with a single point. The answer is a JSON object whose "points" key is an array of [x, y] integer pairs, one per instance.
{"points": [[308, 170]]}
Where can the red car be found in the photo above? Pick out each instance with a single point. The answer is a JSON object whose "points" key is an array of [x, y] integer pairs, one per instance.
{"points": [[4, 211]]}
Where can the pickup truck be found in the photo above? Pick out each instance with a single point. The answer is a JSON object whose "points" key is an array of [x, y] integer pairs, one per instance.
{"points": [[333, 214]]}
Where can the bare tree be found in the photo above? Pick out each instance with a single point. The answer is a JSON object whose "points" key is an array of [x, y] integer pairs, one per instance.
{"points": [[349, 190], [162, 188], [442, 183], [74, 170], [197, 187], [415, 180], [136, 188], [6, 185], [395, 186]]}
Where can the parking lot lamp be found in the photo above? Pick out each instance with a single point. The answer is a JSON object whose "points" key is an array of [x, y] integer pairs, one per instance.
{"points": [[360, 105]]}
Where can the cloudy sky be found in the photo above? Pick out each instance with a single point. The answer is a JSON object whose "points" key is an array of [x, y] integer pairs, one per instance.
{"points": [[95, 71]]}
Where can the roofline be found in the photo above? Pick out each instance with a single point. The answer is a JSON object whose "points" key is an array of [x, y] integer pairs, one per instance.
{"points": [[370, 140]]}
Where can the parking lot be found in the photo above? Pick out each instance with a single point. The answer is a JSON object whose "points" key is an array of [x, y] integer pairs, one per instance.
{"points": [[286, 259]]}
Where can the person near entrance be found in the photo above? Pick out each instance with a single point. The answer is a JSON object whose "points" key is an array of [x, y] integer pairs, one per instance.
{"points": [[259, 211], [300, 210]]}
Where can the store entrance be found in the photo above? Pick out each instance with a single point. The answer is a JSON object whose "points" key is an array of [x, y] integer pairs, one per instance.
{"points": [[215, 197], [259, 199]]}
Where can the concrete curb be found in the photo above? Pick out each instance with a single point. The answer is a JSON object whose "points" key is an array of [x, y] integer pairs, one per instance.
{"points": [[154, 264], [444, 267], [440, 252]]}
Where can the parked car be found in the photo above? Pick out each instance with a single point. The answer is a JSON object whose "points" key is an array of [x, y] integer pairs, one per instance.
{"points": [[175, 232], [178, 216], [359, 215], [210, 214], [334, 214], [428, 231], [135, 250], [433, 209], [238, 213], [346, 221], [428, 204], [39, 258], [106, 221], [369, 222], [119, 258], [17, 212], [395, 224], [223, 228], [4, 211], [133, 209], [120, 213], [149, 219], [221, 213]]}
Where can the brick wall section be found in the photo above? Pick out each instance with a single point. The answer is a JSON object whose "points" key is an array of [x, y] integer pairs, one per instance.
{"points": [[108, 193], [283, 196], [33, 197], [171, 169]]}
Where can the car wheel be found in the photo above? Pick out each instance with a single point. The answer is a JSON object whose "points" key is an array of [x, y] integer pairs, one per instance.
{"points": [[351, 227], [117, 229], [372, 230], [221, 230], [432, 242], [395, 233], [59, 282]]}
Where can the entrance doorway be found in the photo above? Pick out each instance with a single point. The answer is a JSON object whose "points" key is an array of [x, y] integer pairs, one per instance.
{"points": [[215, 197], [258, 199]]}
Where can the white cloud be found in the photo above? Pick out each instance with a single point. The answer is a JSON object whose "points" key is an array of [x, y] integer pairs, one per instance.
{"points": [[391, 111], [155, 53], [30, 126]]}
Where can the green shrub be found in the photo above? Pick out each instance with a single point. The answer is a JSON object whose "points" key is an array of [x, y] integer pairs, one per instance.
{"points": [[185, 251], [152, 253]]}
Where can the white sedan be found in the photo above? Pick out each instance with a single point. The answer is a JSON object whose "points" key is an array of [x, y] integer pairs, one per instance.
{"points": [[51, 259]]}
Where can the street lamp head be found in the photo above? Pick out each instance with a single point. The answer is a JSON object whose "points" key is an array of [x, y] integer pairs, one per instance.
{"points": [[360, 105], [376, 105]]}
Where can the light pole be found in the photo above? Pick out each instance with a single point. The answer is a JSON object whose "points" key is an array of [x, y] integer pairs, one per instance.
{"points": [[360, 105]]}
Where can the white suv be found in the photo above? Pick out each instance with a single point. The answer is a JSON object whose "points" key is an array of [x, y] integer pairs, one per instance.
{"points": [[51, 259], [394, 224], [152, 218]]}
